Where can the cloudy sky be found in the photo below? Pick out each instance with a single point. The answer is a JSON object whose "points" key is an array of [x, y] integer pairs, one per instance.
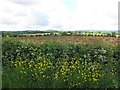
{"points": [[58, 14]]}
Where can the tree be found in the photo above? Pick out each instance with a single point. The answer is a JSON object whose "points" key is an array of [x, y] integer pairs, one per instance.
{"points": [[64, 34], [113, 34]]}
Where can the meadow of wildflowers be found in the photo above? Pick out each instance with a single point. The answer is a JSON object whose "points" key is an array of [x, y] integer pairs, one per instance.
{"points": [[59, 65]]}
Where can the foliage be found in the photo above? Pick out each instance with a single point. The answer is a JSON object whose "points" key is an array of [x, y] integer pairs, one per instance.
{"points": [[58, 33], [58, 65]]}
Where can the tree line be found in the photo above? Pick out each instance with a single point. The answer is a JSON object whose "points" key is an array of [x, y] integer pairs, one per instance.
{"points": [[57, 33]]}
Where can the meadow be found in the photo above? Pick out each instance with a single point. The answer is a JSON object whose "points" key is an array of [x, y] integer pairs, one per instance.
{"points": [[60, 62]]}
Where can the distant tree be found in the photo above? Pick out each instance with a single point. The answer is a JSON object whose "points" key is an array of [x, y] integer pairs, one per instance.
{"points": [[108, 34], [69, 33], [9, 34], [113, 34], [15, 35], [64, 34], [51, 33], [56, 34], [80, 33]]}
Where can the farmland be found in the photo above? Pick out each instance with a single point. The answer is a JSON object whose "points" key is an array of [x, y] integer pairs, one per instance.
{"points": [[60, 62], [70, 39]]}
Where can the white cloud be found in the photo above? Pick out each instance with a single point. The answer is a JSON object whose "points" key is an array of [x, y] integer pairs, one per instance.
{"points": [[96, 14], [24, 2], [54, 14]]}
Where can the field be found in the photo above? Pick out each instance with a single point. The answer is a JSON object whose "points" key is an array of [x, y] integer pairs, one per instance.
{"points": [[71, 39], [60, 62]]}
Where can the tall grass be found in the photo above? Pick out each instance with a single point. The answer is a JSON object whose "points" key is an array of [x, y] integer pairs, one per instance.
{"points": [[59, 65]]}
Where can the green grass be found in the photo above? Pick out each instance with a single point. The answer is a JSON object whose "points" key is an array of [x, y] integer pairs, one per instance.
{"points": [[59, 65]]}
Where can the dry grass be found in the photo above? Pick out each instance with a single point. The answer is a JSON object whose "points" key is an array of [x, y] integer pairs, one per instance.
{"points": [[71, 39]]}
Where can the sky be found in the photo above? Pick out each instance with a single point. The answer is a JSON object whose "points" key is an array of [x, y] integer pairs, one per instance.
{"points": [[58, 15]]}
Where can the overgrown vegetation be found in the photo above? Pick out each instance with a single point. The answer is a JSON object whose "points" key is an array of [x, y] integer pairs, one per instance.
{"points": [[59, 65]]}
